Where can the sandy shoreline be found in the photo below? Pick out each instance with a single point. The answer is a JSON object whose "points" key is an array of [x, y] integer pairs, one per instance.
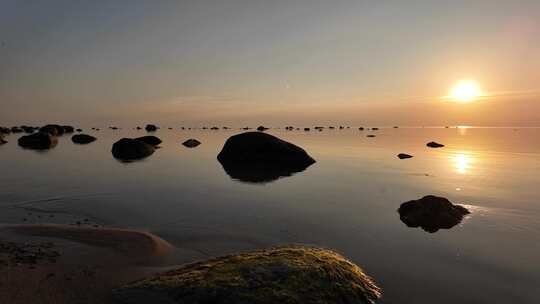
{"points": [[49, 263]]}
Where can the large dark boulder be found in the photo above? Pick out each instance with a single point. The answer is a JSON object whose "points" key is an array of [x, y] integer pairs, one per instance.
{"points": [[131, 149], [54, 130], [38, 141], [292, 274], [151, 140], [151, 128], [83, 139], [2, 140], [260, 157], [191, 143], [431, 213], [433, 144]]}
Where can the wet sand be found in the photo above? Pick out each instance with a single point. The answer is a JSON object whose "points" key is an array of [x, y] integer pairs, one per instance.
{"points": [[70, 264]]}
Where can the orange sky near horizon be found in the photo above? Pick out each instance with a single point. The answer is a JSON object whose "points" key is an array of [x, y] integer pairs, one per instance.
{"points": [[300, 62]]}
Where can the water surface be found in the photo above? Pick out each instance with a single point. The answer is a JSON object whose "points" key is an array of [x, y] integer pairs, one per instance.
{"points": [[346, 201]]}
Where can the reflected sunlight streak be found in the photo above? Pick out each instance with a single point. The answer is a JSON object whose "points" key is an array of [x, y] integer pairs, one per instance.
{"points": [[462, 162]]}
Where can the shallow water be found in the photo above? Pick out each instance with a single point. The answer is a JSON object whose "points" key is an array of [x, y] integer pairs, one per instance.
{"points": [[347, 201]]}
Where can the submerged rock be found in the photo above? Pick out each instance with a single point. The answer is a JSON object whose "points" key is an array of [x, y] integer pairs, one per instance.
{"points": [[370, 135], [431, 213], [151, 140], [2, 140], [404, 156], [151, 128], [83, 139], [262, 129], [79, 130], [260, 157], [38, 141], [131, 149], [191, 143], [292, 274], [54, 130], [433, 144]]}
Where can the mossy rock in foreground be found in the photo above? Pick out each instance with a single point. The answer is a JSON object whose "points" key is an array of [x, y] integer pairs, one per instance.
{"points": [[292, 274]]}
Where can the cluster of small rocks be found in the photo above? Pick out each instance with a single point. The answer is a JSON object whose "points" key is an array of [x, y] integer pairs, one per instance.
{"points": [[16, 254]]}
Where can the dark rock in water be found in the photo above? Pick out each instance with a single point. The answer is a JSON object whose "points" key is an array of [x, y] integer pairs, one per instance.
{"points": [[5, 130], [138, 128], [16, 130], [191, 143], [38, 141], [396, 127], [375, 129], [307, 129], [2, 140], [82, 139], [151, 140], [370, 135], [131, 149], [151, 128], [28, 130], [214, 128], [68, 129], [256, 146], [262, 129], [292, 274], [434, 145], [113, 128], [54, 130], [361, 128], [431, 213], [331, 128], [79, 130], [404, 156], [260, 157]]}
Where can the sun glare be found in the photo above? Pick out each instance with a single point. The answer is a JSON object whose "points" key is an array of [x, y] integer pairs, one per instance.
{"points": [[465, 91]]}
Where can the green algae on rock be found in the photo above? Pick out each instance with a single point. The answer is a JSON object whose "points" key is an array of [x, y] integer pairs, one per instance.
{"points": [[292, 274]]}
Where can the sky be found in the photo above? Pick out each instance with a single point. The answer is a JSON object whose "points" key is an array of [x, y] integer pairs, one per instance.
{"points": [[279, 62]]}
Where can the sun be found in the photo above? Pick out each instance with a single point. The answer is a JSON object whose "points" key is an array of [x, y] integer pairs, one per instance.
{"points": [[465, 91]]}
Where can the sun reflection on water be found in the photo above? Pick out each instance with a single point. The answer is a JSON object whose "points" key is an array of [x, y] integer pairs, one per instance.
{"points": [[462, 162]]}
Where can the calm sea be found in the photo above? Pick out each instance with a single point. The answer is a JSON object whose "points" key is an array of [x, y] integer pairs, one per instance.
{"points": [[347, 201]]}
